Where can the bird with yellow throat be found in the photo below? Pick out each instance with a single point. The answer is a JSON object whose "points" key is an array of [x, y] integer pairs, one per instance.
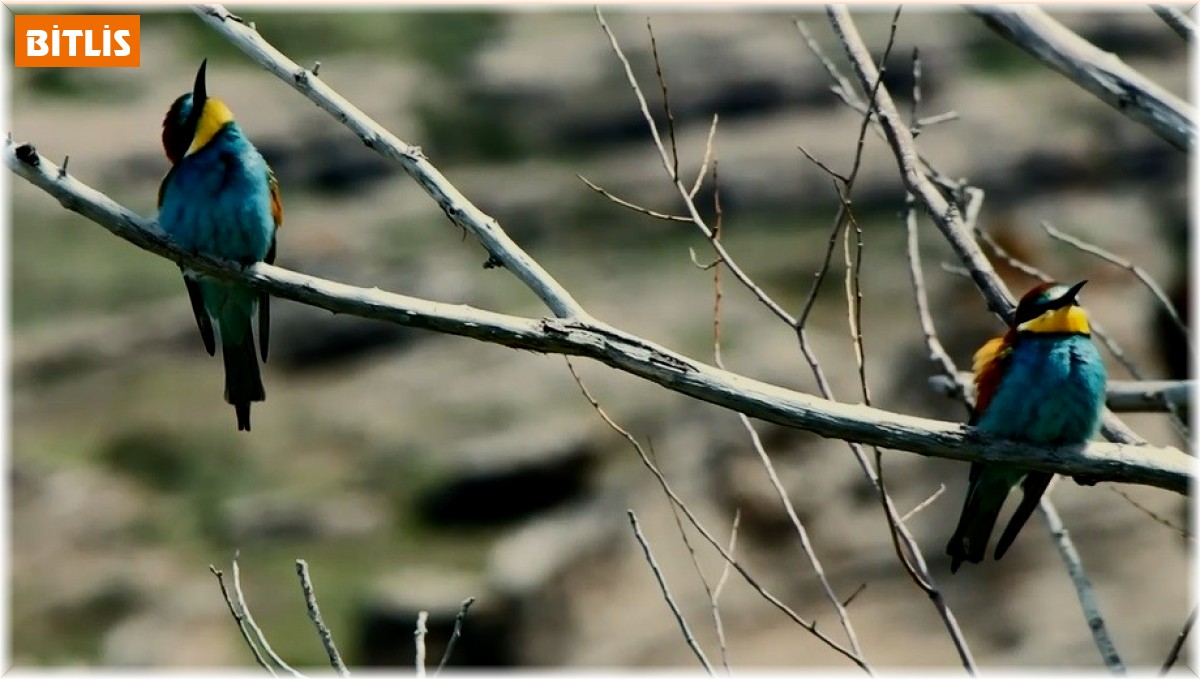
{"points": [[1042, 382], [221, 199]]}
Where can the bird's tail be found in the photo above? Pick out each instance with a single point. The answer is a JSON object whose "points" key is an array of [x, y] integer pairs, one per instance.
{"points": [[985, 499], [243, 382]]}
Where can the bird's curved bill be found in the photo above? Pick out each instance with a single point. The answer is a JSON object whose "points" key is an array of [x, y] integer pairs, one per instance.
{"points": [[199, 93], [1069, 297]]}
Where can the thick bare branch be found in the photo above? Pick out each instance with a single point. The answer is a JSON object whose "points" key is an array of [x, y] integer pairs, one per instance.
{"points": [[945, 215], [1099, 72], [1124, 396], [1139, 464], [461, 211], [1179, 22]]}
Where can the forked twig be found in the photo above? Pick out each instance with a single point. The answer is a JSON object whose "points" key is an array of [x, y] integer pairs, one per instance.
{"points": [[715, 600], [240, 619], [632, 206], [670, 492], [258, 633]]}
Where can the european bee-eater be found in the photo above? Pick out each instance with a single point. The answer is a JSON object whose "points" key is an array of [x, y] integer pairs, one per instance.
{"points": [[221, 199], [1041, 382]]}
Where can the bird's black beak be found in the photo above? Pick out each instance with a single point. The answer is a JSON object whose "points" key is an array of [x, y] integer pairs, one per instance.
{"points": [[199, 92], [1069, 298], [199, 96]]}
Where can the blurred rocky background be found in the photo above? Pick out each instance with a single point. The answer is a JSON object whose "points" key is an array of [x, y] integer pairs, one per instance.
{"points": [[413, 470]]}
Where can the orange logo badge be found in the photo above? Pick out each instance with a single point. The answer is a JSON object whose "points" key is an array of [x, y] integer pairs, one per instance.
{"points": [[79, 40]]}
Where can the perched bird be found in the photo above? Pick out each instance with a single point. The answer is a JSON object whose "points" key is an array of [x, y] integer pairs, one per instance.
{"points": [[221, 199], [1041, 382]]}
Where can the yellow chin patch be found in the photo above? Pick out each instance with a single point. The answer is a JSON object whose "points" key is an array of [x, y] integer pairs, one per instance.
{"points": [[1067, 320], [212, 119]]}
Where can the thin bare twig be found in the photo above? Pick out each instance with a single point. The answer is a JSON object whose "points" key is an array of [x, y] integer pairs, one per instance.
{"points": [[419, 640], [914, 123], [1083, 587], [1173, 654], [1150, 513], [240, 619], [714, 594], [960, 385], [664, 156], [715, 600], [666, 592], [458, 623], [907, 550], [662, 83], [1140, 273], [841, 85], [708, 153], [314, 614], [258, 633], [924, 503], [632, 206], [687, 542], [806, 545], [666, 486]]}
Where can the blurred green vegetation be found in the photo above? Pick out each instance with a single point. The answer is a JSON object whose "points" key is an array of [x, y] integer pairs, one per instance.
{"points": [[198, 470], [990, 55], [445, 42], [78, 83], [69, 266]]}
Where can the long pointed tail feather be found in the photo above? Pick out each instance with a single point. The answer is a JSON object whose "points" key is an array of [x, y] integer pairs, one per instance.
{"points": [[985, 498], [1033, 487], [203, 322], [243, 382]]}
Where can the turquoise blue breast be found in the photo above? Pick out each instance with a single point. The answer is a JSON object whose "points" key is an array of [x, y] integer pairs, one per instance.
{"points": [[1051, 392], [217, 201]]}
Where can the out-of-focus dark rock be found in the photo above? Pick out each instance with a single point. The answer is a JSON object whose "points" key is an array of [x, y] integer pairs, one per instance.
{"points": [[512, 475], [535, 572], [387, 619]]}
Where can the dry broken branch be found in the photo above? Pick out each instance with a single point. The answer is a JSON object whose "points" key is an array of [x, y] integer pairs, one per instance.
{"points": [[1102, 73]]}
